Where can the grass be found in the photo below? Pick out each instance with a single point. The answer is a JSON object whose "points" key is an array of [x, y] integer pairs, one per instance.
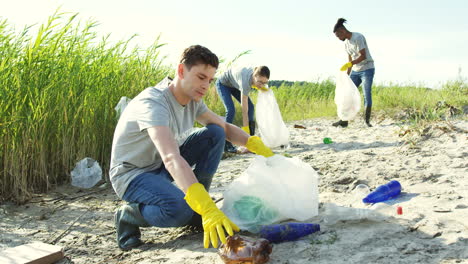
{"points": [[310, 100], [58, 92], [60, 86]]}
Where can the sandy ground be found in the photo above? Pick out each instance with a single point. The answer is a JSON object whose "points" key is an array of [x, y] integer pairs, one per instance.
{"points": [[432, 168]]}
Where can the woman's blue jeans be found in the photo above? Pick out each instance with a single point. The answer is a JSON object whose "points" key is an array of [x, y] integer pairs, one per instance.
{"points": [[366, 78], [161, 202], [226, 94]]}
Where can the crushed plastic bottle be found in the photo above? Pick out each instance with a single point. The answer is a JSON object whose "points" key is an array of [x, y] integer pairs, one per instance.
{"points": [[335, 213], [288, 231], [384, 192], [358, 193], [242, 250], [361, 190]]}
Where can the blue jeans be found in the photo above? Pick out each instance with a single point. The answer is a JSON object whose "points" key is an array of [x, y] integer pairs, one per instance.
{"points": [[366, 78], [225, 93], [161, 202]]}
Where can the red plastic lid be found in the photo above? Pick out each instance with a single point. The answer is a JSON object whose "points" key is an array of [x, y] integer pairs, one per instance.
{"points": [[399, 210]]}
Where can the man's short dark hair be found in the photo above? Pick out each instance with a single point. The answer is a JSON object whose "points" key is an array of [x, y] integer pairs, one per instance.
{"points": [[262, 71], [197, 54]]}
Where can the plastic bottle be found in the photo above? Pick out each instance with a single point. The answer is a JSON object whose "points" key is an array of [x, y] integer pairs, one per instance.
{"points": [[361, 190], [288, 231], [327, 140], [334, 213], [384, 192], [358, 193], [243, 250]]}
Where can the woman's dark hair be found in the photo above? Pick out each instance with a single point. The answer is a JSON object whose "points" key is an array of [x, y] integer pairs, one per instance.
{"points": [[339, 24], [262, 71], [197, 54]]}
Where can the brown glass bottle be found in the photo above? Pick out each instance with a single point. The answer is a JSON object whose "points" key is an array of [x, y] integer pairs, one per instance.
{"points": [[239, 250]]}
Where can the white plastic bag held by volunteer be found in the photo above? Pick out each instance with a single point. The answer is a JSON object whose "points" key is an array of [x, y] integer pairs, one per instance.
{"points": [[273, 131], [347, 97], [272, 190]]}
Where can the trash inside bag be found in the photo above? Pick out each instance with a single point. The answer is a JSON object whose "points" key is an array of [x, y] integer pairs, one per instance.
{"points": [[272, 190], [347, 97], [120, 107], [273, 131], [252, 207], [86, 173]]}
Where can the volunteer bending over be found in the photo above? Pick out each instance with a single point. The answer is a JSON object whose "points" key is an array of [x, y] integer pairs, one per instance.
{"points": [[238, 82]]}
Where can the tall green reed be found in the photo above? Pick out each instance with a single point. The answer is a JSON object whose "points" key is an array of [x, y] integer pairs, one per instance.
{"points": [[59, 90]]}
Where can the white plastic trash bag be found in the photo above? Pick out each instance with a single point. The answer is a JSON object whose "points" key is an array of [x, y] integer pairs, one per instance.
{"points": [[347, 97], [120, 107], [164, 83], [271, 190], [273, 131], [86, 173]]}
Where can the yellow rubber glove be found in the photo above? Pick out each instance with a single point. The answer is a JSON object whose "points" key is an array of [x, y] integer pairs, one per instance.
{"points": [[346, 66], [264, 89], [213, 219], [255, 145], [246, 129]]}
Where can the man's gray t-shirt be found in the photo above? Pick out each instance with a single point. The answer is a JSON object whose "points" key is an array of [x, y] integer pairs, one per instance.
{"points": [[353, 46], [133, 151], [239, 78]]}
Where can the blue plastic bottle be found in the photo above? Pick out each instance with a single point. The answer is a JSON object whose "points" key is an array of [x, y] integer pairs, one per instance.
{"points": [[288, 231], [384, 192]]}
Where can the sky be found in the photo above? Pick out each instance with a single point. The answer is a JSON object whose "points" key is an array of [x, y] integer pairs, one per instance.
{"points": [[411, 42]]}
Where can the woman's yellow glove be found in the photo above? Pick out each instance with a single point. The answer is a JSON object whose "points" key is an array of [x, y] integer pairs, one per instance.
{"points": [[346, 66], [213, 219], [246, 129], [255, 145]]}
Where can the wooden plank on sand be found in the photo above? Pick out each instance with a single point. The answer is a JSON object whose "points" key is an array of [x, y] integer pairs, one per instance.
{"points": [[33, 253]]}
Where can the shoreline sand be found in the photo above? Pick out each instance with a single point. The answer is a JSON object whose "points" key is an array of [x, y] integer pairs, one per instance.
{"points": [[433, 228]]}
